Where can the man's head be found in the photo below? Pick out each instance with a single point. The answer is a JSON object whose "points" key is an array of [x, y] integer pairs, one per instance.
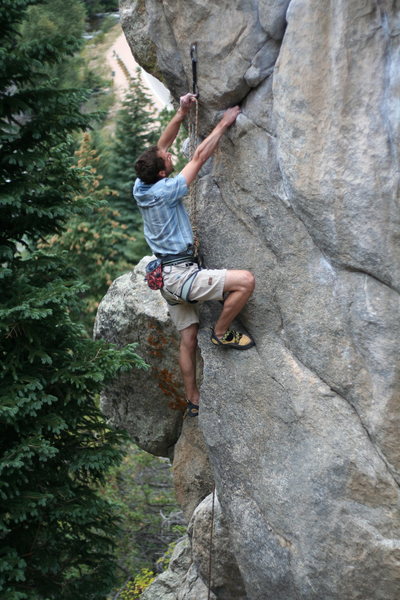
{"points": [[154, 164]]}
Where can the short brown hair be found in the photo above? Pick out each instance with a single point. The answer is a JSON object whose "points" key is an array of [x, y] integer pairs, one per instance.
{"points": [[149, 164]]}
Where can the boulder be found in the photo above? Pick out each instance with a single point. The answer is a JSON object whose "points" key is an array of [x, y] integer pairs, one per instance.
{"points": [[149, 404], [212, 550], [181, 580]]}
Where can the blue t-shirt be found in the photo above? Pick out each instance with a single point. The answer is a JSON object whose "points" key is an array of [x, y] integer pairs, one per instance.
{"points": [[167, 227]]}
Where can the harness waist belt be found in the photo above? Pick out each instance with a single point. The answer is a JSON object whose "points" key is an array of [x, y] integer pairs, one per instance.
{"points": [[175, 259]]}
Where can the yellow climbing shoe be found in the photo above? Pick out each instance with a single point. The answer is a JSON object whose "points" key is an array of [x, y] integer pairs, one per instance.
{"points": [[233, 339]]}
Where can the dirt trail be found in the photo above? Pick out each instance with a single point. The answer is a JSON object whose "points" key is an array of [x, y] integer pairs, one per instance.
{"points": [[154, 88]]}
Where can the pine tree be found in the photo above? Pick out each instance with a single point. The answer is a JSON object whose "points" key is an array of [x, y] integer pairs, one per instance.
{"points": [[52, 18], [151, 517], [136, 130], [56, 531], [93, 236]]}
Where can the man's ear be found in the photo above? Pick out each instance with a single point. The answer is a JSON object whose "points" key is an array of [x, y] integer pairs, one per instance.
{"points": [[162, 174]]}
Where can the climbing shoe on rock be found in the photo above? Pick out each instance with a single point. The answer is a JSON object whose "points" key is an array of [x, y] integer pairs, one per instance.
{"points": [[192, 409], [233, 339]]}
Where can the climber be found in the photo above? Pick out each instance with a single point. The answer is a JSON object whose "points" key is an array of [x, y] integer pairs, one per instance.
{"points": [[169, 234]]}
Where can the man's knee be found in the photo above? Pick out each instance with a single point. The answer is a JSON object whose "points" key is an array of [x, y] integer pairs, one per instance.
{"points": [[249, 281], [189, 337], [242, 281]]}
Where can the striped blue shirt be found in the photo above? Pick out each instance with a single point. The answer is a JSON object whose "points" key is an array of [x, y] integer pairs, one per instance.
{"points": [[166, 222]]}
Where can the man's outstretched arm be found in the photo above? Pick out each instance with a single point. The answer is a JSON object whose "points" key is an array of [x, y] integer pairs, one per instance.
{"points": [[171, 131], [207, 146]]}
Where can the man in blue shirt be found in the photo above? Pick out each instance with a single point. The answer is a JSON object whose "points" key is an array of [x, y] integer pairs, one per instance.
{"points": [[169, 234]]}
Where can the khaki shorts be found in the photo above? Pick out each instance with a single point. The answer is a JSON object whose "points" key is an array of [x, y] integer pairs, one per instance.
{"points": [[208, 284]]}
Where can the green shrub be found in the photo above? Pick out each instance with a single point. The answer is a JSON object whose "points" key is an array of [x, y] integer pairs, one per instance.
{"points": [[135, 588]]}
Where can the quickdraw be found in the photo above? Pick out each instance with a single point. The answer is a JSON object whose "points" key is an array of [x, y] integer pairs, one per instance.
{"points": [[193, 56]]}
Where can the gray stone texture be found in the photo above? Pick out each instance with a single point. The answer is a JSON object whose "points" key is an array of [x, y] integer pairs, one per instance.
{"points": [[188, 574], [302, 430], [181, 581], [193, 479], [148, 404]]}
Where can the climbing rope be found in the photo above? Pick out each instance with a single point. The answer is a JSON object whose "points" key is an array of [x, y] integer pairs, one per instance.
{"points": [[193, 133], [193, 138], [211, 544]]}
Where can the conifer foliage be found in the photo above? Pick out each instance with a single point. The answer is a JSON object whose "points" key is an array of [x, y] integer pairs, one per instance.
{"points": [[55, 447], [93, 236], [136, 130]]}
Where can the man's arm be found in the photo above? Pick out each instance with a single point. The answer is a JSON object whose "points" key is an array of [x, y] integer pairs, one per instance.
{"points": [[171, 131], [207, 146]]}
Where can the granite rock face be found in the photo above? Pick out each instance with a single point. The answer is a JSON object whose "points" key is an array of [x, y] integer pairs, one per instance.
{"points": [[302, 430]]}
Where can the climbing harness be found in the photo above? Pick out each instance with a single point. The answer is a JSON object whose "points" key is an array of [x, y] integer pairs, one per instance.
{"points": [[193, 136], [184, 293], [176, 259], [211, 543], [187, 286]]}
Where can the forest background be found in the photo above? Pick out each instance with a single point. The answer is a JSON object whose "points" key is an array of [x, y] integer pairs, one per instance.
{"points": [[84, 513]]}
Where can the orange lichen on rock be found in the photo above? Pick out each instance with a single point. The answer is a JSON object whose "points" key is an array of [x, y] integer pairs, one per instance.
{"points": [[157, 341], [171, 387]]}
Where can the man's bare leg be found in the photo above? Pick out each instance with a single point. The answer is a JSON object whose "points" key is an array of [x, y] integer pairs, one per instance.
{"points": [[240, 285], [187, 362]]}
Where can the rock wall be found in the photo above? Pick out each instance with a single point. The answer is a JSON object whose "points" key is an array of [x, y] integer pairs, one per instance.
{"points": [[301, 431]]}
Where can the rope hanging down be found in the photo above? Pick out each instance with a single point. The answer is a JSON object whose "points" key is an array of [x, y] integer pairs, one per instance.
{"points": [[211, 545], [193, 136], [193, 133]]}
